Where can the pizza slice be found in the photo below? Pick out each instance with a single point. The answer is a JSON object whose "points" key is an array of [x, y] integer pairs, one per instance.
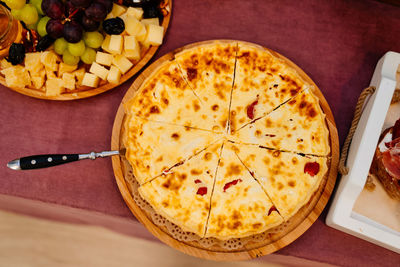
{"points": [[166, 97], [289, 179], [298, 126], [262, 83], [209, 70], [153, 148], [239, 206], [183, 195]]}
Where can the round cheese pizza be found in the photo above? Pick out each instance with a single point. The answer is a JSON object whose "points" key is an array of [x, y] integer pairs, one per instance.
{"points": [[226, 140]]}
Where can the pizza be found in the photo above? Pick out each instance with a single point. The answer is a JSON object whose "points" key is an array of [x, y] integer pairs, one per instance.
{"points": [[262, 83], [155, 147], [226, 140], [288, 178], [183, 195], [239, 205], [209, 71], [166, 97], [298, 125]]}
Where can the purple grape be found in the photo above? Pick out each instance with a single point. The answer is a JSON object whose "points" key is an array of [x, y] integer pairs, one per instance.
{"points": [[108, 4], [53, 8], [81, 3], [72, 32], [70, 9], [88, 24], [96, 12], [54, 28]]}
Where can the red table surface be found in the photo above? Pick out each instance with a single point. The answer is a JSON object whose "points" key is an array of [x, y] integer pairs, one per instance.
{"points": [[337, 43]]}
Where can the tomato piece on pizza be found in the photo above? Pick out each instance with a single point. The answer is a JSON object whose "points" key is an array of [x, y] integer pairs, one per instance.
{"points": [[289, 179], [262, 83], [183, 195], [209, 70], [153, 148], [166, 97], [239, 205], [297, 126]]}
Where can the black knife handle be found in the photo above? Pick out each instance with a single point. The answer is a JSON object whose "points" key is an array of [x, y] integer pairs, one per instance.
{"points": [[44, 161]]}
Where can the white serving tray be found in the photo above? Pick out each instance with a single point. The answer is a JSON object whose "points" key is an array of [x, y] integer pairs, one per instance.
{"points": [[341, 214]]}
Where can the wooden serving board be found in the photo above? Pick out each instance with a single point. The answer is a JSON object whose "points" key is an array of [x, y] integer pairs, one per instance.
{"points": [[84, 91], [297, 225]]}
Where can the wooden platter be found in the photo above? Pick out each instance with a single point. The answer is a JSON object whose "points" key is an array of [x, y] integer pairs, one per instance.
{"points": [[297, 225], [85, 92]]}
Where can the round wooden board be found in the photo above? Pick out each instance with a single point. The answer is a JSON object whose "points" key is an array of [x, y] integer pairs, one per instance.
{"points": [[87, 91], [302, 219]]}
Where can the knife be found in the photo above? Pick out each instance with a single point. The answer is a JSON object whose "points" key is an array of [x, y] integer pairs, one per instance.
{"points": [[50, 160]]}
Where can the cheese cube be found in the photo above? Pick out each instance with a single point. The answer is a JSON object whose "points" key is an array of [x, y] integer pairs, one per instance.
{"points": [[114, 75], [68, 80], [79, 75], [131, 48], [38, 81], [153, 21], [116, 43], [4, 64], [99, 70], [49, 60], [54, 86], [63, 68], [141, 36], [90, 80], [131, 44], [104, 58], [16, 76], [134, 27], [50, 73], [106, 43], [32, 62], [122, 63], [154, 35], [118, 10], [132, 55], [135, 12], [124, 17]]}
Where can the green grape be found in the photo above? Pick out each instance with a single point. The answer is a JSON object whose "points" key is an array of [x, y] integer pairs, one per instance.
{"points": [[93, 39], [16, 13], [29, 14], [38, 5], [89, 56], [15, 4], [33, 26], [60, 46], [70, 59], [77, 49], [41, 27]]}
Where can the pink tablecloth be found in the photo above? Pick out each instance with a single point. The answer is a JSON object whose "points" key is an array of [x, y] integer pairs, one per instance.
{"points": [[338, 43]]}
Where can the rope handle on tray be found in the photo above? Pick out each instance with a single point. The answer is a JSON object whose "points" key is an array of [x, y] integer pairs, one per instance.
{"points": [[343, 169]]}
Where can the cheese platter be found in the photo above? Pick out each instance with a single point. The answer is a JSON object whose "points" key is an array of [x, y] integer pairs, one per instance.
{"points": [[54, 64]]}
